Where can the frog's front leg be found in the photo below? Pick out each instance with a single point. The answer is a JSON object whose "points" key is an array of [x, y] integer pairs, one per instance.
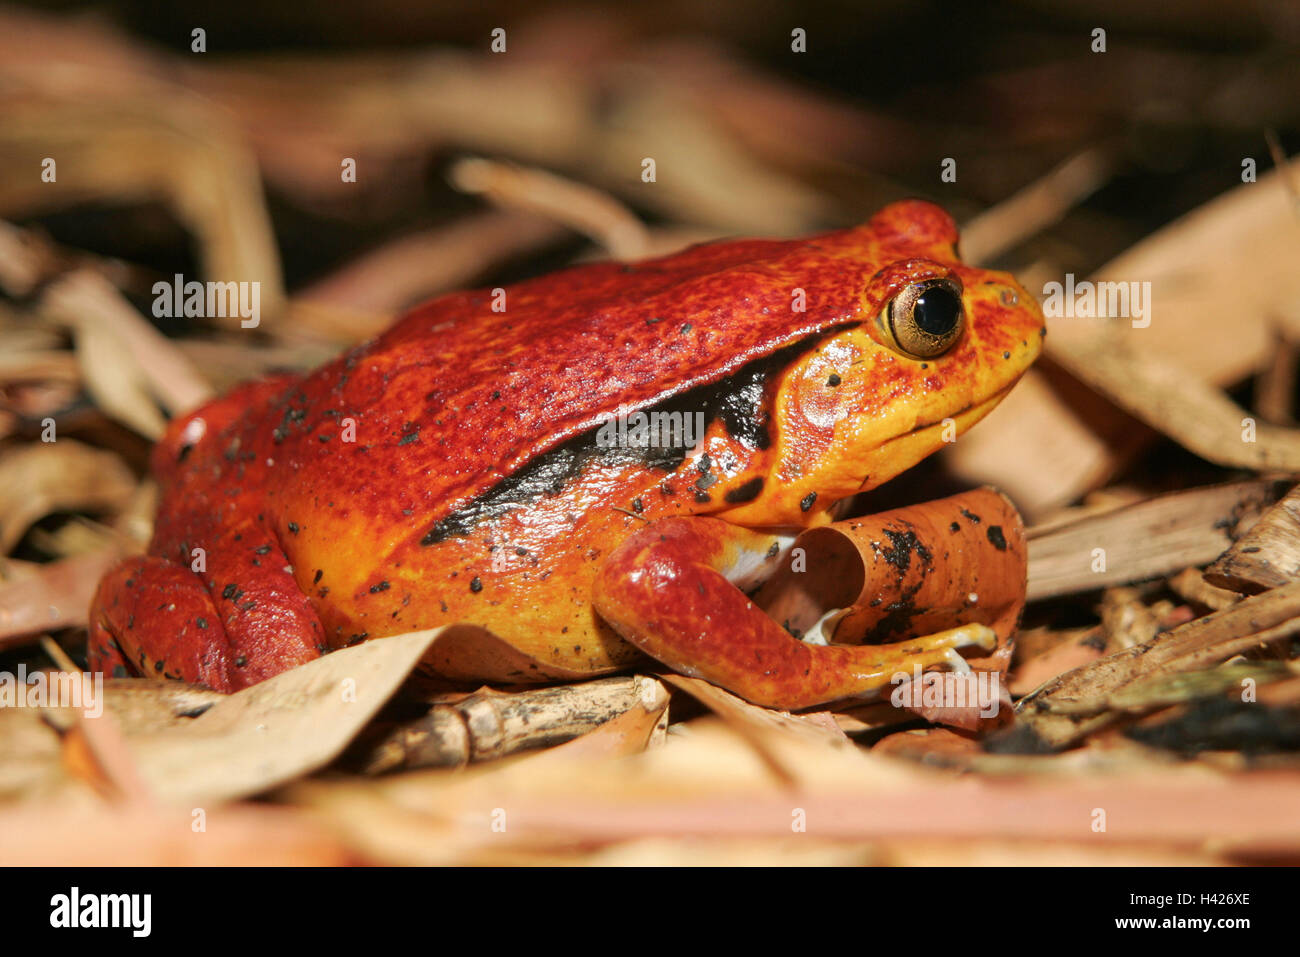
{"points": [[667, 590]]}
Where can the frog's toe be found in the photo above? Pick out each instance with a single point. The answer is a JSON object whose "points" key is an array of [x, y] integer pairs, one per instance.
{"points": [[824, 627]]}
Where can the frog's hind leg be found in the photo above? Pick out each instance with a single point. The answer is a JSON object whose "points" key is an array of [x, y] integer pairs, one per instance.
{"points": [[240, 621], [665, 591]]}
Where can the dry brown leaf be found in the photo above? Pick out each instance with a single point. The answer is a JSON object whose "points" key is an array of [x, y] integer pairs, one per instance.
{"points": [[1037, 206], [589, 211], [1235, 253], [66, 475], [127, 364], [158, 140], [56, 595], [365, 295], [915, 571], [758, 726], [1072, 706], [279, 730]]}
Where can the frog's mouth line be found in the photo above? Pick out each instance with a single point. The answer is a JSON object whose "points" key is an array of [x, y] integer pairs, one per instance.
{"points": [[964, 420]]}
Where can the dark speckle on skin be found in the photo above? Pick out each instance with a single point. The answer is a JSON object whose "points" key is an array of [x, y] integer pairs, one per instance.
{"points": [[807, 501], [475, 585], [972, 516], [833, 381], [746, 492], [954, 527], [996, 538]]}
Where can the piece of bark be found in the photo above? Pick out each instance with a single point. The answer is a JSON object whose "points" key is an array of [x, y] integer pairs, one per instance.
{"points": [[1126, 620], [1190, 584], [1066, 710], [1265, 557], [1157, 537], [490, 724]]}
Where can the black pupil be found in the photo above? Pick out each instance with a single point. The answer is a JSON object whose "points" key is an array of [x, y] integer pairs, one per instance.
{"points": [[937, 311]]}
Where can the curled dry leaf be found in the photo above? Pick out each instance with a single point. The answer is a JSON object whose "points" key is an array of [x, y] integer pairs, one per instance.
{"points": [[36, 480], [909, 572]]}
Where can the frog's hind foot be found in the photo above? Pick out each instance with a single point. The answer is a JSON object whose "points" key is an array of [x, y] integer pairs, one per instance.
{"points": [[665, 591], [243, 621], [154, 618]]}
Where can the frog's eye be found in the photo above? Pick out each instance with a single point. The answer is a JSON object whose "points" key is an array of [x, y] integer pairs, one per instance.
{"points": [[925, 319]]}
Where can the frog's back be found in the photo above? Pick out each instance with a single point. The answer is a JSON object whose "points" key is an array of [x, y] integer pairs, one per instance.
{"points": [[471, 387]]}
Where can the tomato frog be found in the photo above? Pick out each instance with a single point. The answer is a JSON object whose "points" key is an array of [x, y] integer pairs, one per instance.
{"points": [[575, 470]]}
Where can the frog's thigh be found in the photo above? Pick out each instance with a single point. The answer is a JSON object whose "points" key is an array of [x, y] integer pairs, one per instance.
{"points": [[666, 591], [154, 617]]}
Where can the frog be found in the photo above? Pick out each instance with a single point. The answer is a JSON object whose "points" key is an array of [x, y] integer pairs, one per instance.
{"points": [[576, 472]]}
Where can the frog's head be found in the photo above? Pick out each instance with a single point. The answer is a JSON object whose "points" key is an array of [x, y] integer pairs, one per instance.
{"points": [[936, 345]]}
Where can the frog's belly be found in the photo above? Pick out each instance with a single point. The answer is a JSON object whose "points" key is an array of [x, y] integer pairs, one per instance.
{"points": [[524, 573]]}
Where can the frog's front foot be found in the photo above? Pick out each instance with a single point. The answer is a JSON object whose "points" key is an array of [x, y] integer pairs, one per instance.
{"points": [[665, 591]]}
